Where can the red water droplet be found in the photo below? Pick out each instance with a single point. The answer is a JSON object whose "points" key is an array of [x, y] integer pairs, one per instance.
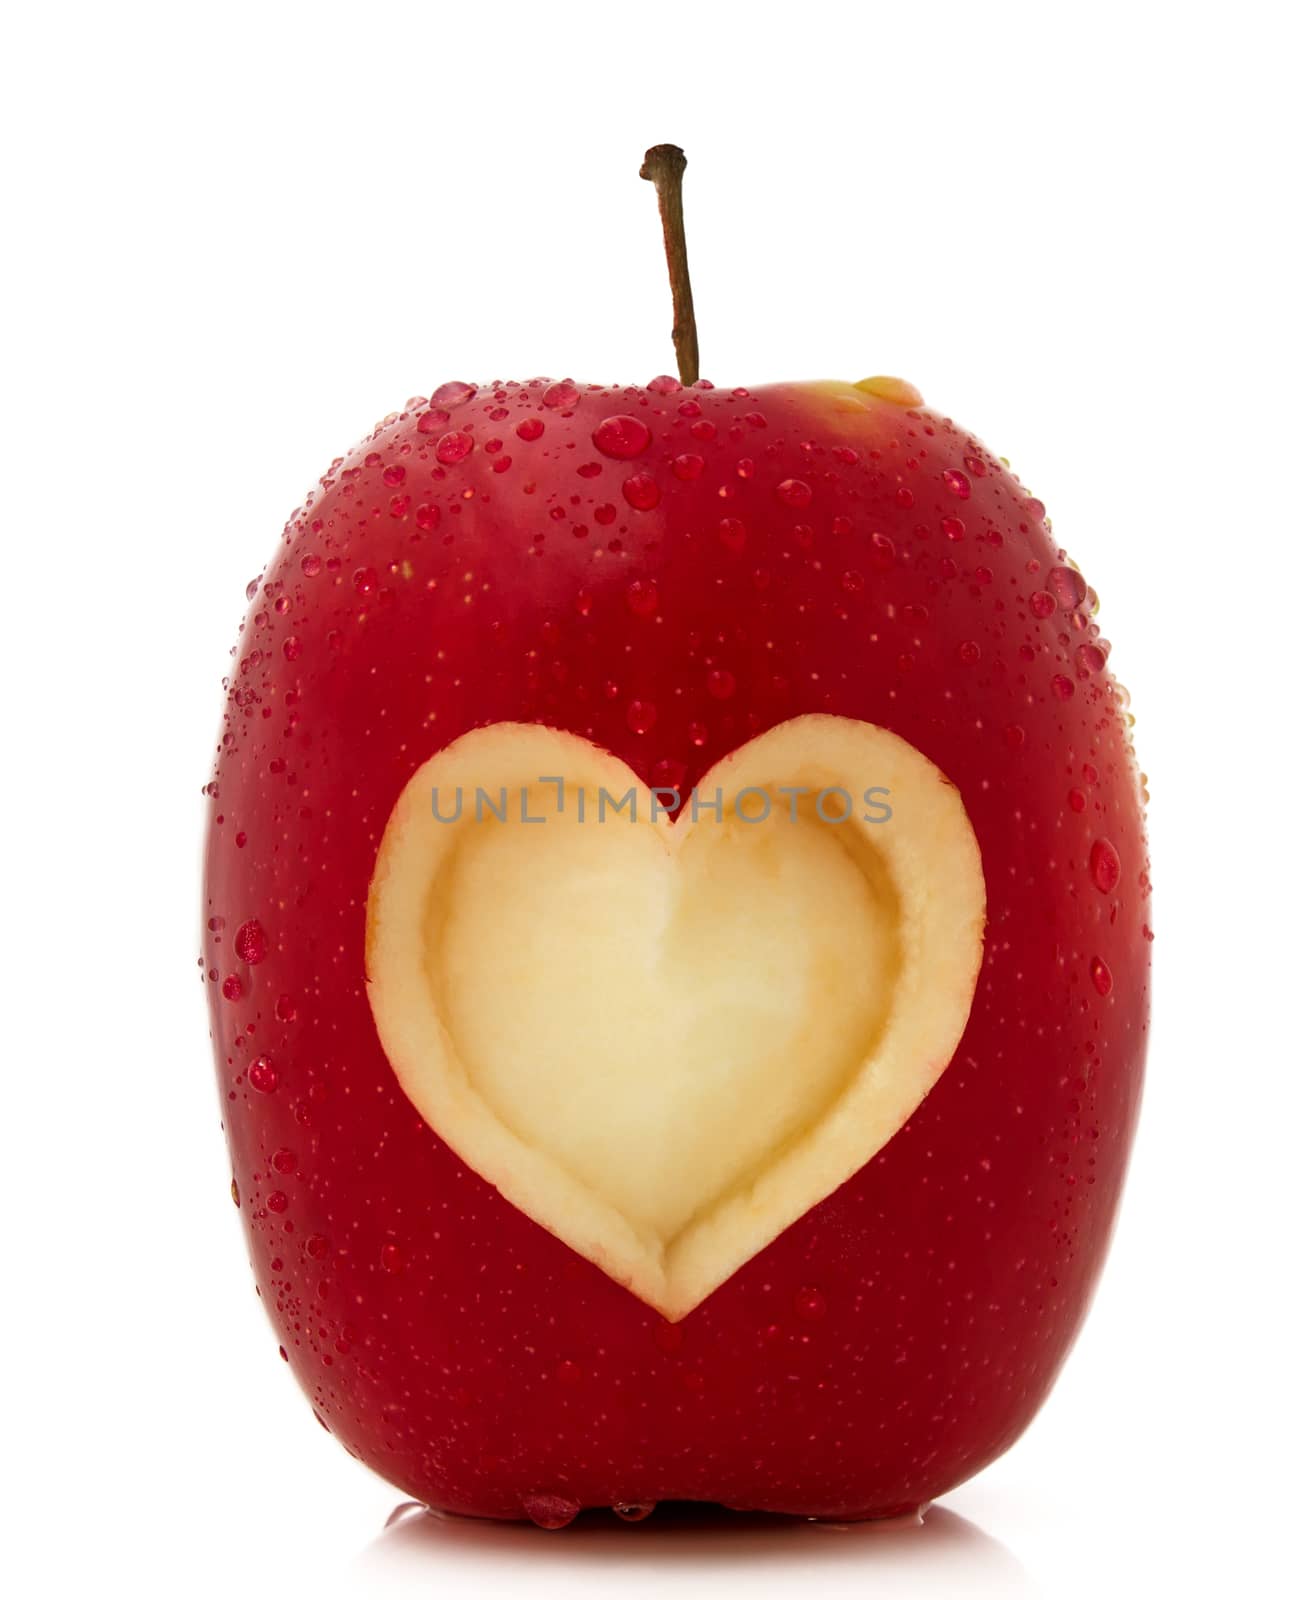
{"points": [[284, 1161], [953, 528], [1077, 800], [286, 1008], [1105, 865], [641, 491], [1042, 604], [250, 943], [561, 395], [365, 580], [634, 1510], [1062, 687], [262, 1075], [851, 582], [883, 552], [310, 565], [622, 438], [550, 1510], [452, 394], [390, 1259], [291, 647], [975, 465], [530, 428], [1101, 976], [721, 684], [394, 475], [231, 988], [454, 447], [688, 467], [317, 1247], [1067, 586], [433, 421], [426, 518], [795, 493], [957, 483], [1015, 737], [605, 514], [663, 384], [904, 497], [642, 597], [970, 652], [276, 1202], [732, 533], [641, 716], [1035, 509], [1091, 658]]}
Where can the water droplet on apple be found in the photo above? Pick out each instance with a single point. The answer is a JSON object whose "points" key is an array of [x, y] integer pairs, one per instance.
{"points": [[795, 493], [1090, 657], [688, 467], [953, 528], [641, 716], [957, 483], [550, 1510], [390, 1259], [1067, 586], [231, 988], [530, 428], [454, 447], [310, 566], [284, 1161], [883, 552], [642, 491], [263, 1075], [250, 943], [622, 438], [561, 395], [733, 534], [1105, 865], [664, 384], [642, 597], [1062, 686], [634, 1510], [452, 394], [1042, 604], [365, 580], [721, 684], [1101, 977]]}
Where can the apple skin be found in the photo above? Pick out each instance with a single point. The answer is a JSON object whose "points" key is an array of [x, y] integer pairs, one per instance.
{"points": [[901, 1334]]}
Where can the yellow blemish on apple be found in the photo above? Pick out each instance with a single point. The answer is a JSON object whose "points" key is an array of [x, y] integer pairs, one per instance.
{"points": [[666, 1041]]}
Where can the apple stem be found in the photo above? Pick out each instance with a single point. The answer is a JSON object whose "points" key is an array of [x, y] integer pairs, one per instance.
{"points": [[664, 167]]}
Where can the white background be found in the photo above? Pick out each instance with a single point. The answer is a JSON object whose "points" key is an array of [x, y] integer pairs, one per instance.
{"points": [[238, 235]]}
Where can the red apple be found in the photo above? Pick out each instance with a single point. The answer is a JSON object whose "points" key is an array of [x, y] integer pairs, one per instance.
{"points": [[604, 1165]]}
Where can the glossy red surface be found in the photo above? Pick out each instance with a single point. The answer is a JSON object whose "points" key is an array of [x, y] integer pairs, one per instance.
{"points": [[757, 556]]}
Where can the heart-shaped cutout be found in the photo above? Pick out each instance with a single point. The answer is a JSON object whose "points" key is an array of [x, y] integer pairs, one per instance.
{"points": [[667, 1040]]}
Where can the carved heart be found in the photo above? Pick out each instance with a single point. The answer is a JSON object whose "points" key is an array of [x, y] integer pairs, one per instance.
{"points": [[666, 1041]]}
